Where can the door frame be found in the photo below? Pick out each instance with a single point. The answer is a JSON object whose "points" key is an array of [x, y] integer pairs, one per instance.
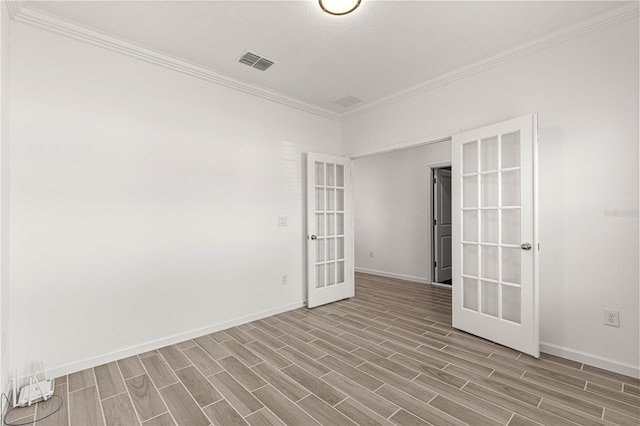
{"points": [[431, 275]]}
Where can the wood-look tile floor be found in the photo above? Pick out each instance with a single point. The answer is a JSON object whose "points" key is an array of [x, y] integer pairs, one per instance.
{"points": [[386, 356]]}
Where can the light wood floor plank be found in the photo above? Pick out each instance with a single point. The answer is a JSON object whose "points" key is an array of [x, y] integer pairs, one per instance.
{"points": [[360, 414], [161, 420], [145, 397], [182, 406], [320, 388], [159, 371], [118, 410], [264, 417], [372, 401], [198, 386], [109, 380], [282, 407], [212, 347], [268, 354], [81, 379], [131, 367], [243, 401], [282, 382], [174, 357], [222, 413], [84, 406], [202, 360], [242, 373], [323, 413], [45, 408]]}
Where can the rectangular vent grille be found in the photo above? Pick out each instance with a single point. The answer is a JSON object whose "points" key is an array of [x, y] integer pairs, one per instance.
{"points": [[347, 101], [255, 61]]}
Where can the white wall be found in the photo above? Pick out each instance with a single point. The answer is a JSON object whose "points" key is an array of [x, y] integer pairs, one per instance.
{"points": [[144, 203], [4, 193], [392, 210], [586, 93]]}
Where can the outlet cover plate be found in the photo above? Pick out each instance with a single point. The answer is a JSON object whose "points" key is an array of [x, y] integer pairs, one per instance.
{"points": [[612, 317]]}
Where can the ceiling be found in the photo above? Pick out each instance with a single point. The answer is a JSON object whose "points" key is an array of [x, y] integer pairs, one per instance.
{"points": [[383, 48]]}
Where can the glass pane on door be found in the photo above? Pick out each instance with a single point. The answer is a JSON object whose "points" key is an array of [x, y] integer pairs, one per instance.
{"points": [[470, 191], [319, 173], [320, 275], [489, 154], [511, 303], [470, 157], [470, 293], [489, 298], [489, 232], [511, 226], [470, 259], [470, 225], [489, 190], [510, 147]]}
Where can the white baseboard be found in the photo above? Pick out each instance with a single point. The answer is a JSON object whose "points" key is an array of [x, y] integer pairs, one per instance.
{"points": [[593, 360], [393, 275], [165, 341]]}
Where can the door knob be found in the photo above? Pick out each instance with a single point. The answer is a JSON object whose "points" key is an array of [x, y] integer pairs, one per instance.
{"points": [[525, 246], [313, 237]]}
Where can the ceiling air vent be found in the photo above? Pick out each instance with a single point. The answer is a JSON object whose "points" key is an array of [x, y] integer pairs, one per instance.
{"points": [[347, 101], [255, 61]]}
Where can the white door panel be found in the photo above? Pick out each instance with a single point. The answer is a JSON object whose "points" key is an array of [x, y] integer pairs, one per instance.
{"points": [[442, 226], [330, 245], [495, 294]]}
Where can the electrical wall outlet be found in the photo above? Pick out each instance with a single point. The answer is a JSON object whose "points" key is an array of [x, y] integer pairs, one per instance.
{"points": [[611, 317], [283, 279]]}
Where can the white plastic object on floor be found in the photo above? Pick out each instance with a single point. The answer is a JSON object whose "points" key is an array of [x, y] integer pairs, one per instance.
{"points": [[36, 390]]}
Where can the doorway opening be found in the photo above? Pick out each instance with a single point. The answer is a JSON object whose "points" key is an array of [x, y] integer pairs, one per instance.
{"points": [[441, 225]]}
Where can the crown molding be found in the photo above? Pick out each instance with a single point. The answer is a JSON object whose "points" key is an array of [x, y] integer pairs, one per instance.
{"points": [[14, 7], [35, 18], [611, 17]]}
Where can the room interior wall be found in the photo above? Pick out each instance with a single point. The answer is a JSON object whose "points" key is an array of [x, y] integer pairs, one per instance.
{"points": [[145, 203], [5, 23], [392, 210], [585, 91]]}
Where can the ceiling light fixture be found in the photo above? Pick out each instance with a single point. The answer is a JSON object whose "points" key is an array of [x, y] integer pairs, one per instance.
{"points": [[339, 7]]}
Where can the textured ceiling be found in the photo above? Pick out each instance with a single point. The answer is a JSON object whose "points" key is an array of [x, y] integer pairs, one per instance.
{"points": [[382, 48]]}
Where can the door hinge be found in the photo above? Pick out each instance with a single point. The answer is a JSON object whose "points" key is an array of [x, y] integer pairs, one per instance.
{"points": [[435, 264], [434, 222]]}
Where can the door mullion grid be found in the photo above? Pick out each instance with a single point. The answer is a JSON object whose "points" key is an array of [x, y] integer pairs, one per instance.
{"points": [[499, 142], [335, 224], [479, 204], [325, 219]]}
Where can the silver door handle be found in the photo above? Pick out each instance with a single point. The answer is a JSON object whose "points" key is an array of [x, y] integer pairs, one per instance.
{"points": [[525, 246], [313, 237]]}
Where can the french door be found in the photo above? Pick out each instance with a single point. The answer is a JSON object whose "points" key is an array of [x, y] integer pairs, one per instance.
{"points": [[495, 244], [330, 248]]}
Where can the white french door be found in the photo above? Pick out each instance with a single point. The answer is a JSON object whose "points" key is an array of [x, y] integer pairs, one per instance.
{"points": [[495, 244], [330, 248]]}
